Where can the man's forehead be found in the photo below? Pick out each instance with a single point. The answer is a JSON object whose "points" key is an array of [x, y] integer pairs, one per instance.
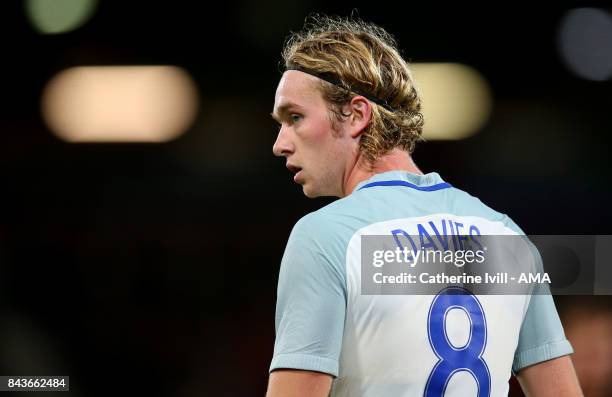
{"points": [[295, 82], [295, 77], [295, 89]]}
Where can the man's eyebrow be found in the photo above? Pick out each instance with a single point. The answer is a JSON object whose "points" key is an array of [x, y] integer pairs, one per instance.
{"points": [[282, 109]]}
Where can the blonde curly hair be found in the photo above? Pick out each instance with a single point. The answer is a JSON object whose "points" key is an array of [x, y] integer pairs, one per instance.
{"points": [[363, 58]]}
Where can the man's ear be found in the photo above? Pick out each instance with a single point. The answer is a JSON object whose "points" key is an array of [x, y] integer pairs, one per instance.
{"points": [[361, 115]]}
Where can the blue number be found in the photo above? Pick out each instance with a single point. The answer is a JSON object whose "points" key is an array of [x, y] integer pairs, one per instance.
{"points": [[455, 359]]}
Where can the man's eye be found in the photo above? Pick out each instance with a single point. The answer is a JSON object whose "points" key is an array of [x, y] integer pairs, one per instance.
{"points": [[295, 118]]}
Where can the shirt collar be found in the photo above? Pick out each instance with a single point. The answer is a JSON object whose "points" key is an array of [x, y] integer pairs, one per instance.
{"points": [[424, 181]]}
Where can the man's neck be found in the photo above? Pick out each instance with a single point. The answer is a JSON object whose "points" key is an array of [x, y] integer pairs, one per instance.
{"points": [[395, 160]]}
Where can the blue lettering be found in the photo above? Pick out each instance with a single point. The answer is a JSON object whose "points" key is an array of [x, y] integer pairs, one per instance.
{"points": [[443, 241], [423, 234], [460, 237], [398, 232], [473, 233]]}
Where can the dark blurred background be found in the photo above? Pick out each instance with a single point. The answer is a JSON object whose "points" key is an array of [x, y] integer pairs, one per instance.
{"points": [[152, 267]]}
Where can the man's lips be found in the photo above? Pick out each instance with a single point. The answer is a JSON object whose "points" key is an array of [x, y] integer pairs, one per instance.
{"points": [[294, 169], [296, 176]]}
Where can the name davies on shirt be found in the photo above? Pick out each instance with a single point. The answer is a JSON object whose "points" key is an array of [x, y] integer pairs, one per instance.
{"points": [[445, 241]]}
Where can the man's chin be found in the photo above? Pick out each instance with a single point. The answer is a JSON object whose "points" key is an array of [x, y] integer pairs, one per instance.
{"points": [[309, 191], [312, 193]]}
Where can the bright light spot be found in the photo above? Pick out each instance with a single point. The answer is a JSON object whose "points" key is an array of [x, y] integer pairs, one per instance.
{"points": [[59, 16], [456, 100], [585, 43], [120, 103]]}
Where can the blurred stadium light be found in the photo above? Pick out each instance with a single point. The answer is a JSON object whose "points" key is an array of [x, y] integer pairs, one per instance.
{"points": [[120, 103], [59, 16], [585, 43], [456, 100]]}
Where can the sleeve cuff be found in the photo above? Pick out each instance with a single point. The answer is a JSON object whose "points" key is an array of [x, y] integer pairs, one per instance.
{"points": [[541, 353], [305, 362]]}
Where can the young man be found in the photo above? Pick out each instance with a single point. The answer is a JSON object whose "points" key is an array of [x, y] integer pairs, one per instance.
{"points": [[349, 116]]}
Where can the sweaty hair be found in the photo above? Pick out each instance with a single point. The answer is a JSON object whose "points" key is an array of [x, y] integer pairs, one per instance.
{"points": [[363, 57]]}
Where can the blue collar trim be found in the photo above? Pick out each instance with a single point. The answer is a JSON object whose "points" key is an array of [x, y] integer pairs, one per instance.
{"points": [[432, 188]]}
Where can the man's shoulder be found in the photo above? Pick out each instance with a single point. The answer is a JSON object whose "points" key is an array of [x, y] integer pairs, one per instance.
{"points": [[466, 204], [323, 222], [345, 212], [319, 235], [329, 228]]}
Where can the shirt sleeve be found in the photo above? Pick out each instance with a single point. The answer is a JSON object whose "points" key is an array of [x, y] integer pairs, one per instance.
{"points": [[541, 337], [311, 303]]}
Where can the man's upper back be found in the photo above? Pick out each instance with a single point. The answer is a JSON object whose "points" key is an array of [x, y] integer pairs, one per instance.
{"points": [[397, 345]]}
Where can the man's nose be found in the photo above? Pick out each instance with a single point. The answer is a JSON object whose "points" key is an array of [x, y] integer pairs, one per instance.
{"points": [[283, 145]]}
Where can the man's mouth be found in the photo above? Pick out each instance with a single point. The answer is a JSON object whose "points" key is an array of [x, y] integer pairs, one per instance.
{"points": [[294, 170]]}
